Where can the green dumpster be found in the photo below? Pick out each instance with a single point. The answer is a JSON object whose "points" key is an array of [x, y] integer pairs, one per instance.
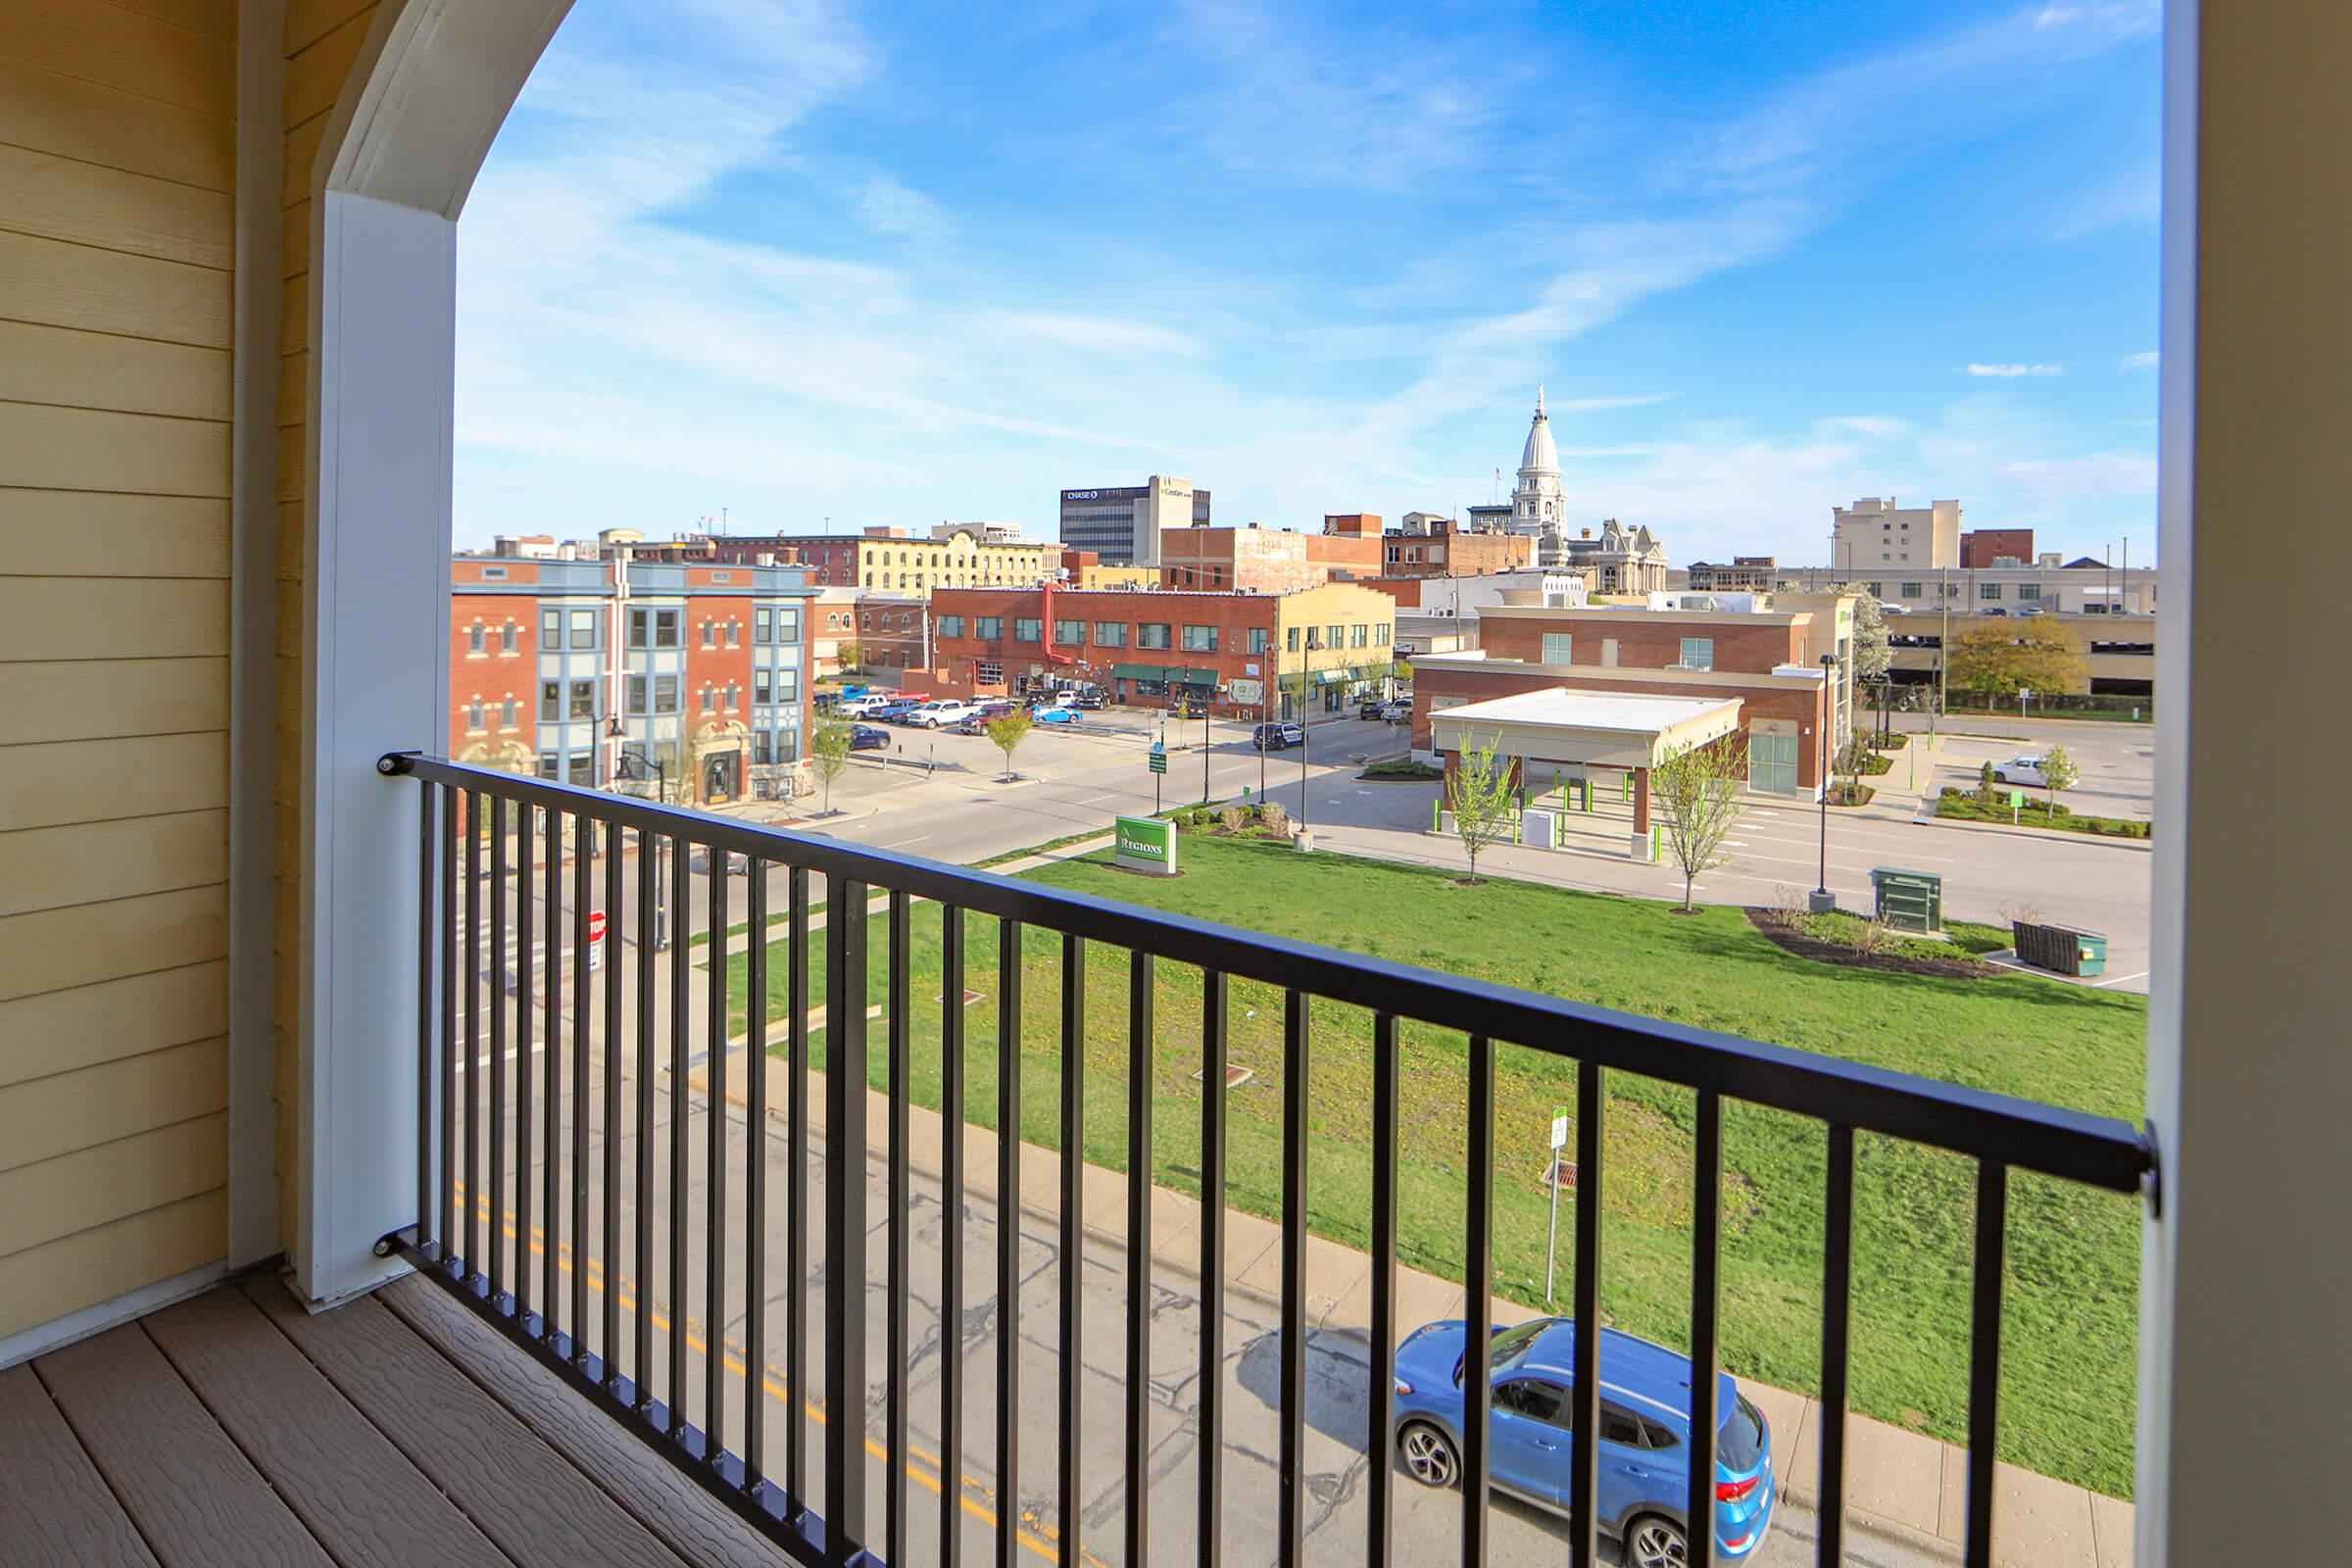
{"points": [[2061, 949], [1908, 900], [2093, 953]]}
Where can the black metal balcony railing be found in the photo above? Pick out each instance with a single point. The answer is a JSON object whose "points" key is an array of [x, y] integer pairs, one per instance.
{"points": [[475, 1123]]}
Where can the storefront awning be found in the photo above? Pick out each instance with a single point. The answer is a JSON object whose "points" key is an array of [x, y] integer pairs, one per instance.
{"points": [[1178, 674]]}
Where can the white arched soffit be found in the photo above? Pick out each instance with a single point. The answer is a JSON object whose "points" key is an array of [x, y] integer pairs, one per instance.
{"points": [[425, 98]]}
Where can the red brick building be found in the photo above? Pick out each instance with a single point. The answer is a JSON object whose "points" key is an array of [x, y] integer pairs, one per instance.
{"points": [[1264, 561], [1150, 645], [1982, 547], [1768, 657], [1441, 547]]}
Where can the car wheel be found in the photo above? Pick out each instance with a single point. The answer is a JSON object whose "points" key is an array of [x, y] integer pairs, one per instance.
{"points": [[1999, 777], [1429, 1455], [1654, 1543]]}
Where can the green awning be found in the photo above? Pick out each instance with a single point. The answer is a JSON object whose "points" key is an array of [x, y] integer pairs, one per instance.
{"points": [[1180, 674]]}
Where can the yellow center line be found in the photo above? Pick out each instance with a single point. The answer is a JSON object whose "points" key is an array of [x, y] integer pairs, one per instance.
{"points": [[1032, 1533]]}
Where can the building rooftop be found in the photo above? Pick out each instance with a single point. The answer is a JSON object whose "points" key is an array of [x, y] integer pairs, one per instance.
{"points": [[1561, 706]]}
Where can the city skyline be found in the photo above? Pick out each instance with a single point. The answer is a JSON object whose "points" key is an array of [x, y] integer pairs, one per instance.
{"points": [[1764, 266]]}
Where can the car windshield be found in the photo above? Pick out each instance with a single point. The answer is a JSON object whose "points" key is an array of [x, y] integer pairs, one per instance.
{"points": [[1509, 1347], [1740, 1440]]}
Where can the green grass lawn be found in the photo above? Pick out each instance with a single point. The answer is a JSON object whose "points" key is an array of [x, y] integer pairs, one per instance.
{"points": [[2068, 1344]]}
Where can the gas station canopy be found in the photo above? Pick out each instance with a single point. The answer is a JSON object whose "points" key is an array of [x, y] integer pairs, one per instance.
{"points": [[1607, 729]]}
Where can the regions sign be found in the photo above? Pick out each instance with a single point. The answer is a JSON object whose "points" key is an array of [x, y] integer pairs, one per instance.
{"points": [[1144, 844]]}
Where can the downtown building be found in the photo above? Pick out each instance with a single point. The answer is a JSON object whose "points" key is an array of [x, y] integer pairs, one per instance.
{"points": [[1620, 560], [1123, 525], [566, 668], [1230, 651]]}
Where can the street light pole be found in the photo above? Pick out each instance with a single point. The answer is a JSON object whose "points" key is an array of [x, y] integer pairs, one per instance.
{"points": [[1309, 645], [1823, 899]]}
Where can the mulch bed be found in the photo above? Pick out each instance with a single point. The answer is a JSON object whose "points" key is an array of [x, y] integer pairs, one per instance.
{"points": [[1793, 938]]}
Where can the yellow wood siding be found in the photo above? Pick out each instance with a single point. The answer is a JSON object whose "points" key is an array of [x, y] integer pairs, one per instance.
{"points": [[118, 159]]}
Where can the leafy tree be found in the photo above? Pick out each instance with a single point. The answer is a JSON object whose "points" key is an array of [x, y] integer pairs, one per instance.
{"points": [[2001, 658], [1007, 734], [1483, 795], [851, 655], [1697, 792], [2059, 772], [829, 753], [1985, 790], [1870, 649]]}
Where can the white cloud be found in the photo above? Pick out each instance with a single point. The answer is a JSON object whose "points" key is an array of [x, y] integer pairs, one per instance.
{"points": [[2145, 360], [890, 207], [2132, 197], [2007, 373]]}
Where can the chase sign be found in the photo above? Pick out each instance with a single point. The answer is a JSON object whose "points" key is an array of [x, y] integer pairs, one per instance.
{"points": [[1143, 843]]}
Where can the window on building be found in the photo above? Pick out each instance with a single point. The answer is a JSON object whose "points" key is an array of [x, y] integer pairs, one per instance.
{"points": [[2028, 590], [1110, 633], [759, 684], [1698, 652], [788, 744], [763, 747], [583, 698], [1200, 639], [1988, 590], [583, 628], [987, 628], [1070, 633], [474, 635], [1380, 635], [1910, 590], [474, 715], [788, 685], [788, 623], [734, 697], [1333, 636], [709, 634], [734, 633], [580, 769], [1151, 634], [950, 625], [1359, 635], [511, 637], [549, 763], [1259, 637], [709, 699], [636, 695], [1290, 639], [665, 694], [762, 627], [1875, 590], [550, 702], [1559, 648], [1028, 629], [506, 713], [551, 629]]}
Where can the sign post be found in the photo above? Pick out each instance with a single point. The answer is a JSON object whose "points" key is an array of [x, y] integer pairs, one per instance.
{"points": [[1551, 1242], [1143, 843], [1159, 769], [595, 939], [2017, 804]]}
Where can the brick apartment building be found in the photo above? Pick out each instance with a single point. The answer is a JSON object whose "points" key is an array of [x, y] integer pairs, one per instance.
{"points": [[1442, 547], [1987, 547], [1264, 561], [1765, 652], [1149, 647], [560, 667], [891, 560]]}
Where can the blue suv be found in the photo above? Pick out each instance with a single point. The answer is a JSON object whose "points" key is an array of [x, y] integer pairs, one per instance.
{"points": [[1644, 1432]]}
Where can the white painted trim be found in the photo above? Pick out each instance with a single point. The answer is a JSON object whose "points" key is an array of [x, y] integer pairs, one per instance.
{"points": [[433, 81], [253, 890], [42, 1337]]}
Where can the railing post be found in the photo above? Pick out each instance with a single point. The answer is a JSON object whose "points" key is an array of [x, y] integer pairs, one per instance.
{"points": [[845, 1217]]}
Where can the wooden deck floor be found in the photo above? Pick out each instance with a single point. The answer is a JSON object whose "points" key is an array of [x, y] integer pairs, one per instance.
{"points": [[237, 1430]]}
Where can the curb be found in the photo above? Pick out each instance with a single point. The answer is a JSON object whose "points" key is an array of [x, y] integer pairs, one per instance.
{"points": [[2144, 846]]}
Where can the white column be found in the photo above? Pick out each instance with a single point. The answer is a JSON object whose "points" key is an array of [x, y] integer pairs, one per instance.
{"points": [[2246, 1316]]}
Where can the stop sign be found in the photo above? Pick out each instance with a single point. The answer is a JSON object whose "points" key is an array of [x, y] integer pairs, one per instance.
{"points": [[596, 925]]}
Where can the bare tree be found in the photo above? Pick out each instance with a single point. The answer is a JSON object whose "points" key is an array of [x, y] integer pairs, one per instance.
{"points": [[1482, 793], [1696, 790], [1007, 733], [829, 753]]}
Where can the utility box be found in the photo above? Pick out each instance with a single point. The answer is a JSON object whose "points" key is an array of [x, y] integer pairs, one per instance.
{"points": [[2060, 949], [1908, 900]]}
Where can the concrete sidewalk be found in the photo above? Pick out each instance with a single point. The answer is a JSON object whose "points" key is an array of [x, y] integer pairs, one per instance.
{"points": [[1902, 1485]]}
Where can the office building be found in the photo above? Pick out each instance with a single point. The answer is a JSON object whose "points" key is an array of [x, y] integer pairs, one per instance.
{"points": [[1995, 547], [1264, 561], [1874, 533], [889, 560], [1754, 574], [1123, 525]]}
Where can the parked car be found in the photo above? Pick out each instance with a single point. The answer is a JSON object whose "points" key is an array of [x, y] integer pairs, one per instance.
{"points": [[863, 703], [1049, 714], [1644, 1451], [895, 710], [2021, 770], [1278, 737], [938, 713], [866, 737], [1371, 708], [1090, 699], [1397, 711]]}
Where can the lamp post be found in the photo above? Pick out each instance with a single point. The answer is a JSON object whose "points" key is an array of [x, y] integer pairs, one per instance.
{"points": [[1821, 900], [1311, 644], [632, 765]]}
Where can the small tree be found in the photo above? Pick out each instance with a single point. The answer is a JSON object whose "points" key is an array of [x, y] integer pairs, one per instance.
{"points": [[829, 753], [1696, 789], [1998, 659], [1007, 733], [1985, 791], [2059, 772], [851, 655], [1873, 654], [1483, 797]]}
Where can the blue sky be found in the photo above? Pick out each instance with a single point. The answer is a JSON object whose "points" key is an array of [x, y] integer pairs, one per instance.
{"points": [[892, 265]]}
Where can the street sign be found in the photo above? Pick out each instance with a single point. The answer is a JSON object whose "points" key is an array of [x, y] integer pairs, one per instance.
{"points": [[596, 925], [1551, 1179], [1559, 1128], [1143, 843], [1159, 759], [2017, 798]]}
